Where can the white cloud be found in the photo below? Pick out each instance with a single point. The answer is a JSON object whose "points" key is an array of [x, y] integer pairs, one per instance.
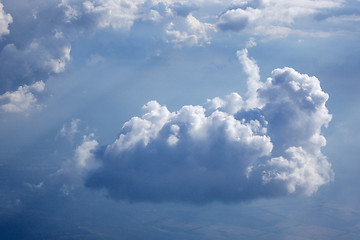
{"points": [[294, 106], [114, 13], [271, 18], [38, 59], [57, 65], [38, 48], [23, 99], [190, 31], [5, 20], [226, 150], [235, 19], [299, 170], [71, 14], [252, 70], [84, 154]]}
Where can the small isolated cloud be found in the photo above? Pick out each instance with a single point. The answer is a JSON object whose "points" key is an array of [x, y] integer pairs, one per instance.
{"points": [[251, 43], [229, 149], [70, 131], [23, 99], [36, 47], [190, 31], [5, 20]]}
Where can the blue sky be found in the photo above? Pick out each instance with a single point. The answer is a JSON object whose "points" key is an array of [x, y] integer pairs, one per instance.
{"points": [[166, 119]]}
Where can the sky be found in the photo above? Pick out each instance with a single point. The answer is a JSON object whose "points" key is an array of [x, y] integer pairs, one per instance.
{"points": [[164, 119]]}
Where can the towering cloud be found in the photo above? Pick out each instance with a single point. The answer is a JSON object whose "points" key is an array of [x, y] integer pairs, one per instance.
{"points": [[227, 150]]}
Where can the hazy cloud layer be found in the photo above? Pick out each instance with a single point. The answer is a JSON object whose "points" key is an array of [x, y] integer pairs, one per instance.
{"points": [[229, 149]]}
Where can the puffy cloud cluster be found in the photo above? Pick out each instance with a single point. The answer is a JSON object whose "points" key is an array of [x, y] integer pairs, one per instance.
{"points": [[37, 60], [39, 43], [37, 47], [270, 17], [227, 150], [117, 14], [23, 99], [190, 31], [182, 27]]}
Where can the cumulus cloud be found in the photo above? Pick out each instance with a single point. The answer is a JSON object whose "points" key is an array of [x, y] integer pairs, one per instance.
{"points": [[117, 14], [38, 48], [38, 59], [84, 158], [5, 20], [190, 31], [269, 17], [234, 19], [225, 150], [23, 99]]}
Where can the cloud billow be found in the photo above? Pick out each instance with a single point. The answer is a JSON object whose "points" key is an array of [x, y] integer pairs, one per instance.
{"points": [[227, 150]]}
